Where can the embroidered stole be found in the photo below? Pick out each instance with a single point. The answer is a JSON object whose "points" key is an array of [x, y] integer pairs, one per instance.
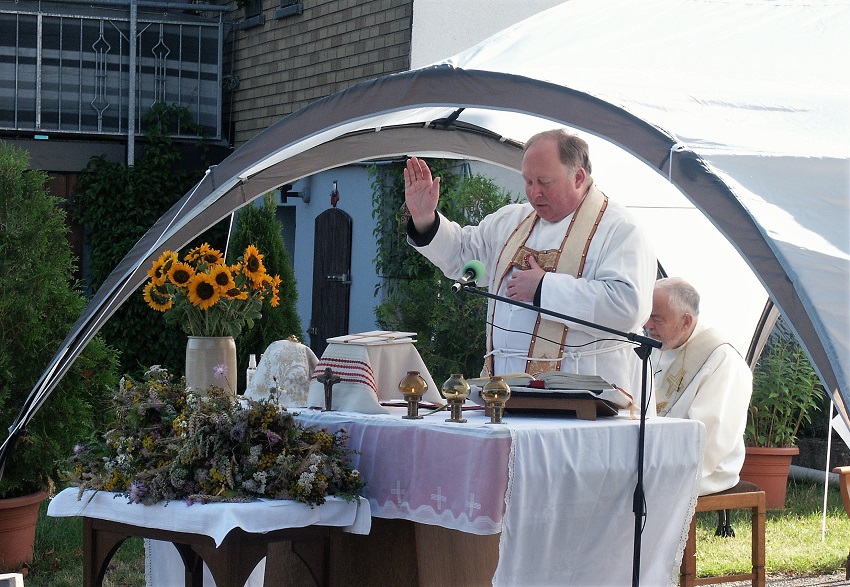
{"points": [[549, 336], [691, 359]]}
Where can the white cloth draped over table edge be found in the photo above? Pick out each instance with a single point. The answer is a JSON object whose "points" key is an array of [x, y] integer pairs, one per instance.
{"points": [[214, 519], [566, 491], [163, 563]]}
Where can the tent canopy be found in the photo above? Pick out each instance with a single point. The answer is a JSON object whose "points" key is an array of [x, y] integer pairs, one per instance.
{"points": [[744, 107]]}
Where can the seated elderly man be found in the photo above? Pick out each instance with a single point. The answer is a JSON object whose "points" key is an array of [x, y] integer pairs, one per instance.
{"points": [[700, 376]]}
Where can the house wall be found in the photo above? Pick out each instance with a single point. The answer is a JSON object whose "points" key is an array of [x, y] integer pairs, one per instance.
{"points": [[285, 64], [355, 199], [282, 64]]}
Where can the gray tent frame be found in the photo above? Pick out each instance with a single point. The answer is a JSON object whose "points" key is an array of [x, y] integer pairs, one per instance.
{"points": [[229, 186]]}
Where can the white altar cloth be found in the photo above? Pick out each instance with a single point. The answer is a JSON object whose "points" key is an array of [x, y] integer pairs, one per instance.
{"points": [[213, 519], [560, 491]]}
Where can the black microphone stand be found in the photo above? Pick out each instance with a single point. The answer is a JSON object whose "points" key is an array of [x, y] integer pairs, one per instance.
{"points": [[644, 348]]}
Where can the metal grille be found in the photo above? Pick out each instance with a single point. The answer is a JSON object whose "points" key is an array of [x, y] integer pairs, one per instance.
{"points": [[68, 71]]}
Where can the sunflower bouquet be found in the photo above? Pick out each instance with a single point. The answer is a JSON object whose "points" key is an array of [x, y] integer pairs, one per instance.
{"points": [[207, 296]]}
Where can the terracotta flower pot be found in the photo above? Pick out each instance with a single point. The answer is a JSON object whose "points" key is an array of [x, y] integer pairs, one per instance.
{"points": [[18, 516], [768, 468]]}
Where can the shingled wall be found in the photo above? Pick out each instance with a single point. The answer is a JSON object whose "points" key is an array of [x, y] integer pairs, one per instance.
{"points": [[274, 66]]}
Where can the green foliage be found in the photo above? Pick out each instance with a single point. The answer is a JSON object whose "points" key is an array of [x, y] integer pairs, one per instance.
{"points": [[117, 204], [417, 297], [786, 391], [259, 225], [38, 305]]}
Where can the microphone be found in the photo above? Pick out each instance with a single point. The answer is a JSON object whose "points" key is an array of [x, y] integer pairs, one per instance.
{"points": [[473, 271]]}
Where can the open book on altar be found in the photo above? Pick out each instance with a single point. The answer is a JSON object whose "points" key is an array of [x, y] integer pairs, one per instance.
{"points": [[559, 384], [374, 337]]}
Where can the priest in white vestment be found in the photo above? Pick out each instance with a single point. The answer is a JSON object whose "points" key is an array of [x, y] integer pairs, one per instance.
{"points": [[700, 376], [569, 249]]}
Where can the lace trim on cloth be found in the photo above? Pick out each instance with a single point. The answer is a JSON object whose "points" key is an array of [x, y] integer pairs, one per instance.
{"points": [[508, 496], [683, 537], [285, 365], [426, 514]]}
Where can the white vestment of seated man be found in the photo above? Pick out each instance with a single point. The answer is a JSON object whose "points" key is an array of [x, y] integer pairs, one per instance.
{"points": [[714, 387]]}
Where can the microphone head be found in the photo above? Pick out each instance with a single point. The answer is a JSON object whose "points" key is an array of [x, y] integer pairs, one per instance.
{"points": [[476, 267]]}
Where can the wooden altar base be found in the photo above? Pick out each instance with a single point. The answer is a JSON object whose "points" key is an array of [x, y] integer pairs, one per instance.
{"points": [[230, 564], [406, 554]]}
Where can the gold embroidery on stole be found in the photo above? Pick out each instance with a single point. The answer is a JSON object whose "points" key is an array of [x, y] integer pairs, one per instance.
{"points": [[549, 336]]}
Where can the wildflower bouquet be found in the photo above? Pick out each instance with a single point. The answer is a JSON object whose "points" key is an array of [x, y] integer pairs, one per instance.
{"points": [[208, 297], [167, 443]]}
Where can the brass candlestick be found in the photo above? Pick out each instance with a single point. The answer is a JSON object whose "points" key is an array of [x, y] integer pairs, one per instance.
{"points": [[412, 387], [496, 392], [455, 390]]}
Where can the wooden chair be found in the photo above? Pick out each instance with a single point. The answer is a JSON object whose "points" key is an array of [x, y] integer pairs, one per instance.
{"points": [[743, 496], [844, 486]]}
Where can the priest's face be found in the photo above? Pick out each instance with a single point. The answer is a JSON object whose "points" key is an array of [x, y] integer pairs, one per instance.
{"points": [[666, 323], [552, 188]]}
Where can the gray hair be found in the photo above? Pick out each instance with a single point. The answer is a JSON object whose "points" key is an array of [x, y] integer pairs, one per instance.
{"points": [[682, 295]]}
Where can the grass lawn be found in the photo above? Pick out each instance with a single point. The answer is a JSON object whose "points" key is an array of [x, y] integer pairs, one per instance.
{"points": [[794, 545], [793, 535], [59, 555]]}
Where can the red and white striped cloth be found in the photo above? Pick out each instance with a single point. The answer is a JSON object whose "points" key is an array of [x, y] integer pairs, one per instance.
{"points": [[370, 368]]}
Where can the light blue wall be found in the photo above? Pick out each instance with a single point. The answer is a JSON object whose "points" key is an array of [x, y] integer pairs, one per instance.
{"points": [[355, 191]]}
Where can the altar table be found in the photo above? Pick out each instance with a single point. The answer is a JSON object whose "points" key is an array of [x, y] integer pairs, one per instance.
{"points": [[230, 537], [538, 500], [550, 499]]}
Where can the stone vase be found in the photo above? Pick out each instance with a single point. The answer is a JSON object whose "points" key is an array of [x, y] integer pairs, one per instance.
{"points": [[203, 355]]}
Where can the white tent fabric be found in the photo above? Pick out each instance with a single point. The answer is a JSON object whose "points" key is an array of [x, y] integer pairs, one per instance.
{"points": [[745, 106]]}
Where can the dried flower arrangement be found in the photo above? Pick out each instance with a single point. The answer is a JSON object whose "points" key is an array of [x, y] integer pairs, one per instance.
{"points": [[167, 443]]}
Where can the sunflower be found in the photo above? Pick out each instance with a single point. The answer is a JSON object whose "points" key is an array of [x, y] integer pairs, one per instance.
{"points": [[234, 293], [180, 273], [212, 257], [222, 277], [275, 301], [203, 291], [193, 287], [160, 267], [204, 254], [156, 298], [254, 267]]}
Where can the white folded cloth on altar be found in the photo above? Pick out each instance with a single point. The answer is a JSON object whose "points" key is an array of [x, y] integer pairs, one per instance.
{"points": [[285, 365], [214, 519], [370, 366]]}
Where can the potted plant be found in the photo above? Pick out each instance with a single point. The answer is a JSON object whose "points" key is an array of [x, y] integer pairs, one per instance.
{"points": [[786, 391], [38, 305]]}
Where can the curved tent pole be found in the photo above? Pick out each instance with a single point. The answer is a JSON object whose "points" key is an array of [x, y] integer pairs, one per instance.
{"points": [[261, 164]]}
